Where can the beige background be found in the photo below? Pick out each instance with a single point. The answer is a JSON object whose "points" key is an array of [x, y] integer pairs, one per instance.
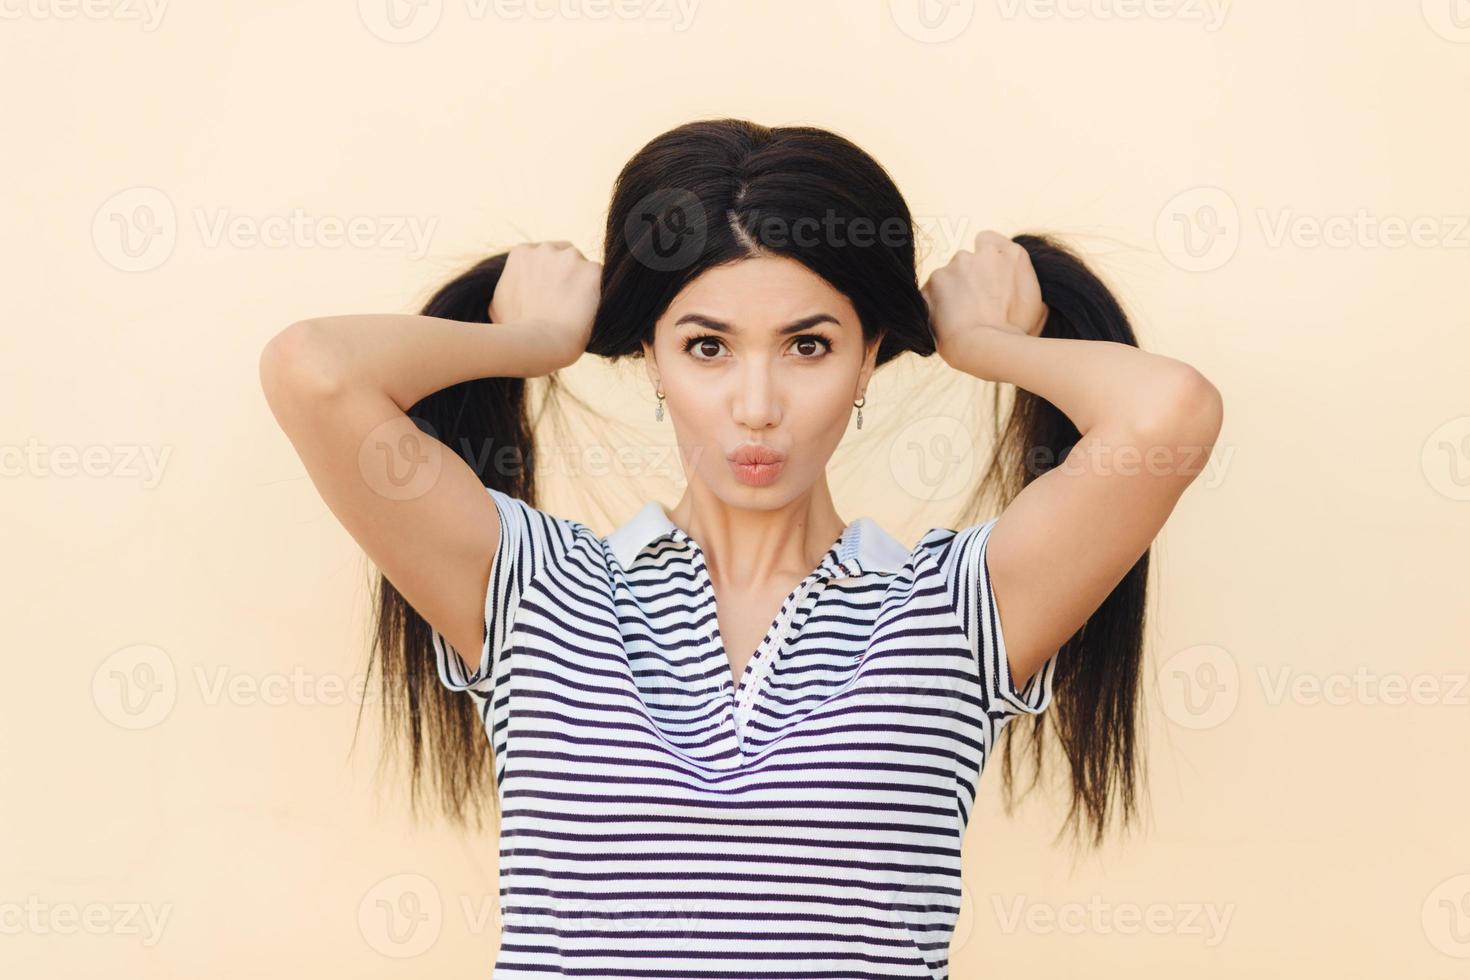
{"points": [[1278, 190]]}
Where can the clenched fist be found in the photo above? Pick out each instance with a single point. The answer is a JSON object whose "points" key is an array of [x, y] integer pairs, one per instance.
{"points": [[554, 285], [993, 286]]}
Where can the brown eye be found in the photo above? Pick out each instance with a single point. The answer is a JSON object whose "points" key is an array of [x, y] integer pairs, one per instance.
{"points": [[803, 345], [706, 344]]}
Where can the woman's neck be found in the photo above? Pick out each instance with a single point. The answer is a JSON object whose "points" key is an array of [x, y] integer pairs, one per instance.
{"points": [[744, 545]]}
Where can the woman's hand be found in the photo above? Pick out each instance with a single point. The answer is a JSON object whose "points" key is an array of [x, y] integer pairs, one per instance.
{"points": [[553, 285], [992, 287]]}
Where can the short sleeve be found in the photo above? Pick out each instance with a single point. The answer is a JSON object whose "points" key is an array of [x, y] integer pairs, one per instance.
{"points": [[961, 556], [529, 540]]}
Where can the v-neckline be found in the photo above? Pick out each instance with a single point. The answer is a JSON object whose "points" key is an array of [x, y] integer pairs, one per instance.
{"points": [[777, 625]]}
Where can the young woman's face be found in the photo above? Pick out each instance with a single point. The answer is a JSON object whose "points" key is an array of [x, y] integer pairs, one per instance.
{"points": [[759, 353]]}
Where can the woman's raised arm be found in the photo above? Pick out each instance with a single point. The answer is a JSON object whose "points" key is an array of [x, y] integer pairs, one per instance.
{"points": [[1147, 423], [340, 388]]}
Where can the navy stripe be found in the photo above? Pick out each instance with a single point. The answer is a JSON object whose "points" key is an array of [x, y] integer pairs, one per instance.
{"points": [[655, 822]]}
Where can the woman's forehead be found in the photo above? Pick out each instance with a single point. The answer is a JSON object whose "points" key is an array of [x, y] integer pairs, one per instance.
{"points": [[765, 293]]}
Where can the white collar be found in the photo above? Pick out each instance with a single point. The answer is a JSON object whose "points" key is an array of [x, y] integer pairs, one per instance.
{"points": [[864, 540]]}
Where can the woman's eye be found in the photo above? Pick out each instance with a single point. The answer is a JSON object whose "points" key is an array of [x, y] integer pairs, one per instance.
{"points": [[703, 343], [706, 347], [803, 345]]}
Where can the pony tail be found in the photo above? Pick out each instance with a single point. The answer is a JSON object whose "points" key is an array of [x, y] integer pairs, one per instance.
{"points": [[485, 422], [1098, 673]]}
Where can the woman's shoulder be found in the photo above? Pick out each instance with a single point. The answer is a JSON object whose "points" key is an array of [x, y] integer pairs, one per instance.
{"points": [[521, 516], [943, 542], [879, 551]]}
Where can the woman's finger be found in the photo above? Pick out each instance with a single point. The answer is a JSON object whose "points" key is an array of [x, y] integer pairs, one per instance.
{"points": [[992, 238]]}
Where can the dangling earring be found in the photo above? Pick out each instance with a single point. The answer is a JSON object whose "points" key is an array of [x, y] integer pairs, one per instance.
{"points": [[859, 406], [658, 413]]}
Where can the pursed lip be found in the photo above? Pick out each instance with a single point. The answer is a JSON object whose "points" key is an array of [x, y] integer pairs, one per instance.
{"points": [[761, 455]]}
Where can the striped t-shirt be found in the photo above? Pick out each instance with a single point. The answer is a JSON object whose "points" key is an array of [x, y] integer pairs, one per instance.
{"points": [[659, 821]]}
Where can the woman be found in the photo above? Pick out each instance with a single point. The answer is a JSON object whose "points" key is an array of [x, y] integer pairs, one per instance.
{"points": [[741, 736]]}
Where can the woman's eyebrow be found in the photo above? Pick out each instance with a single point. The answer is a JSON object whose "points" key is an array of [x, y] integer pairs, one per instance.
{"points": [[720, 326]]}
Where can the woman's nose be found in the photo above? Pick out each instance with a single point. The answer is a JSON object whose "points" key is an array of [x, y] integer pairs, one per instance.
{"points": [[757, 402]]}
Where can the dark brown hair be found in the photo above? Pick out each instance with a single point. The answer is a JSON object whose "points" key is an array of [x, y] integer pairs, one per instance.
{"points": [[713, 192]]}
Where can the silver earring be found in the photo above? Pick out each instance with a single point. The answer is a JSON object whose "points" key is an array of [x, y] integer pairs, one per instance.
{"points": [[859, 406], [658, 413]]}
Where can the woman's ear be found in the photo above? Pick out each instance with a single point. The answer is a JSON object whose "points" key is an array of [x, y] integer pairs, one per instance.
{"points": [[650, 366], [870, 359]]}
